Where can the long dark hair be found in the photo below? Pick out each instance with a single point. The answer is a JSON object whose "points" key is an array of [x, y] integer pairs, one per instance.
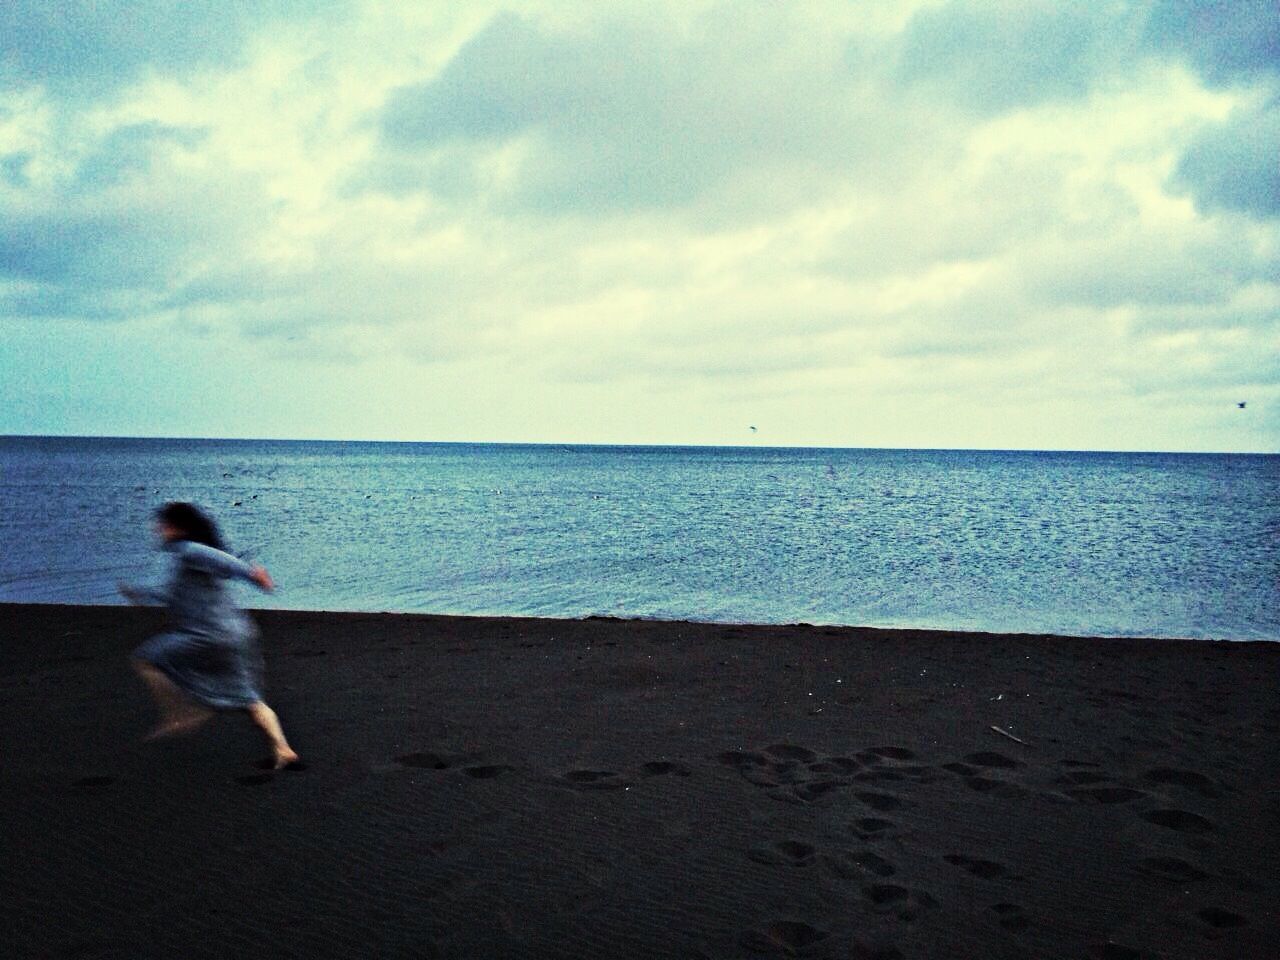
{"points": [[193, 523]]}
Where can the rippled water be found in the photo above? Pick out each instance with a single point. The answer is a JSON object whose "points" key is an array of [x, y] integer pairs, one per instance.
{"points": [[1085, 543]]}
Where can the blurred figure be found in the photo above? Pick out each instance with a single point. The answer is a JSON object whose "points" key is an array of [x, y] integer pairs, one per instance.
{"points": [[208, 659]]}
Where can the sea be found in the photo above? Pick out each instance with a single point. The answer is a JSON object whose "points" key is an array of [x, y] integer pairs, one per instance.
{"points": [[1092, 544]]}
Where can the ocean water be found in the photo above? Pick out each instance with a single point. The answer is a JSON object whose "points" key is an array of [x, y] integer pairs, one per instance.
{"points": [[1098, 544]]}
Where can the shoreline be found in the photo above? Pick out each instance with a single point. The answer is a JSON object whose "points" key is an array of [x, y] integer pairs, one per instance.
{"points": [[523, 787], [740, 624]]}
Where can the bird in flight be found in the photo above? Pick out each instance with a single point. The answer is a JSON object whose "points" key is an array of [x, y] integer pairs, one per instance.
{"points": [[1240, 405], [753, 429]]}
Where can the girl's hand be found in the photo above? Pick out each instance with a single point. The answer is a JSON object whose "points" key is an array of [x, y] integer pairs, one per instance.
{"points": [[263, 579]]}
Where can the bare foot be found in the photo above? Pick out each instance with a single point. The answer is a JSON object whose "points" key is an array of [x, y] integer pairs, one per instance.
{"points": [[284, 758]]}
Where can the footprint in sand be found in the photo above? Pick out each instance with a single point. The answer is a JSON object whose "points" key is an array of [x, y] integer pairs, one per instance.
{"points": [[758, 770], [892, 753], [1221, 919], [255, 779], [914, 772], [1081, 779], [872, 828], [840, 766], [995, 787], [892, 898], [976, 771], [1012, 917], [790, 853], [742, 759], [787, 936], [986, 869], [793, 769], [919, 773], [1172, 869], [423, 761], [788, 772], [1105, 794], [811, 792], [1178, 820], [788, 751], [1183, 778], [595, 780], [766, 777], [856, 864], [879, 801], [885, 894], [989, 758]]}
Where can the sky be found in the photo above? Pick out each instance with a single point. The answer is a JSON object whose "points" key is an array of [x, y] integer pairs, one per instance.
{"points": [[1016, 224]]}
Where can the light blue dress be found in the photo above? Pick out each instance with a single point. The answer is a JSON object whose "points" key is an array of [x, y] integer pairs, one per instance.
{"points": [[210, 650]]}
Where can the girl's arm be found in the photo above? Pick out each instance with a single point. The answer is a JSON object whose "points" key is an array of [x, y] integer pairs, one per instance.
{"points": [[222, 564]]}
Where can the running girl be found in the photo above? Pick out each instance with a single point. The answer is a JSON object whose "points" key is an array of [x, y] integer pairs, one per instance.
{"points": [[208, 659]]}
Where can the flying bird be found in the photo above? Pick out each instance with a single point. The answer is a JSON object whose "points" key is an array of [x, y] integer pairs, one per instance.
{"points": [[753, 429], [1241, 404]]}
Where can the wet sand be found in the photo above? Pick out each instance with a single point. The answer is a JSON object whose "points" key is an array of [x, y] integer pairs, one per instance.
{"points": [[534, 788]]}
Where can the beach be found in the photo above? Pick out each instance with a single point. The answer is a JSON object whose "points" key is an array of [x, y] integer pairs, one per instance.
{"points": [[503, 787]]}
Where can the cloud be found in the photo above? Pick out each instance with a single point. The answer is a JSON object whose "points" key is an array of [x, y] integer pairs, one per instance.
{"points": [[506, 79], [1254, 308], [992, 56], [50, 246], [1230, 165], [13, 168], [951, 209], [1155, 266], [129, 151], [90, 50], [1225, 41], [624, 117], [1233, 165], [103, 263], [116, 225], [989, 57], [1199, 366]]}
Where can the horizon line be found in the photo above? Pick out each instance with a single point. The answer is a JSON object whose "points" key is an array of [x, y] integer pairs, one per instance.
{"points": [[642, 446]]}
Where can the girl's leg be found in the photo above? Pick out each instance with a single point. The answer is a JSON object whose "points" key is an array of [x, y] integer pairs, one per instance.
{"points": [[177, 713], [269, 723]]}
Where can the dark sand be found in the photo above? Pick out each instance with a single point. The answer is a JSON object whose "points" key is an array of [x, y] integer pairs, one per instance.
{"points": [[521, 788]]}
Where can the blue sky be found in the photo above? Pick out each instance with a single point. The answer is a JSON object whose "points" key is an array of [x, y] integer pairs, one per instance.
{"points": [[935, 223]]}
